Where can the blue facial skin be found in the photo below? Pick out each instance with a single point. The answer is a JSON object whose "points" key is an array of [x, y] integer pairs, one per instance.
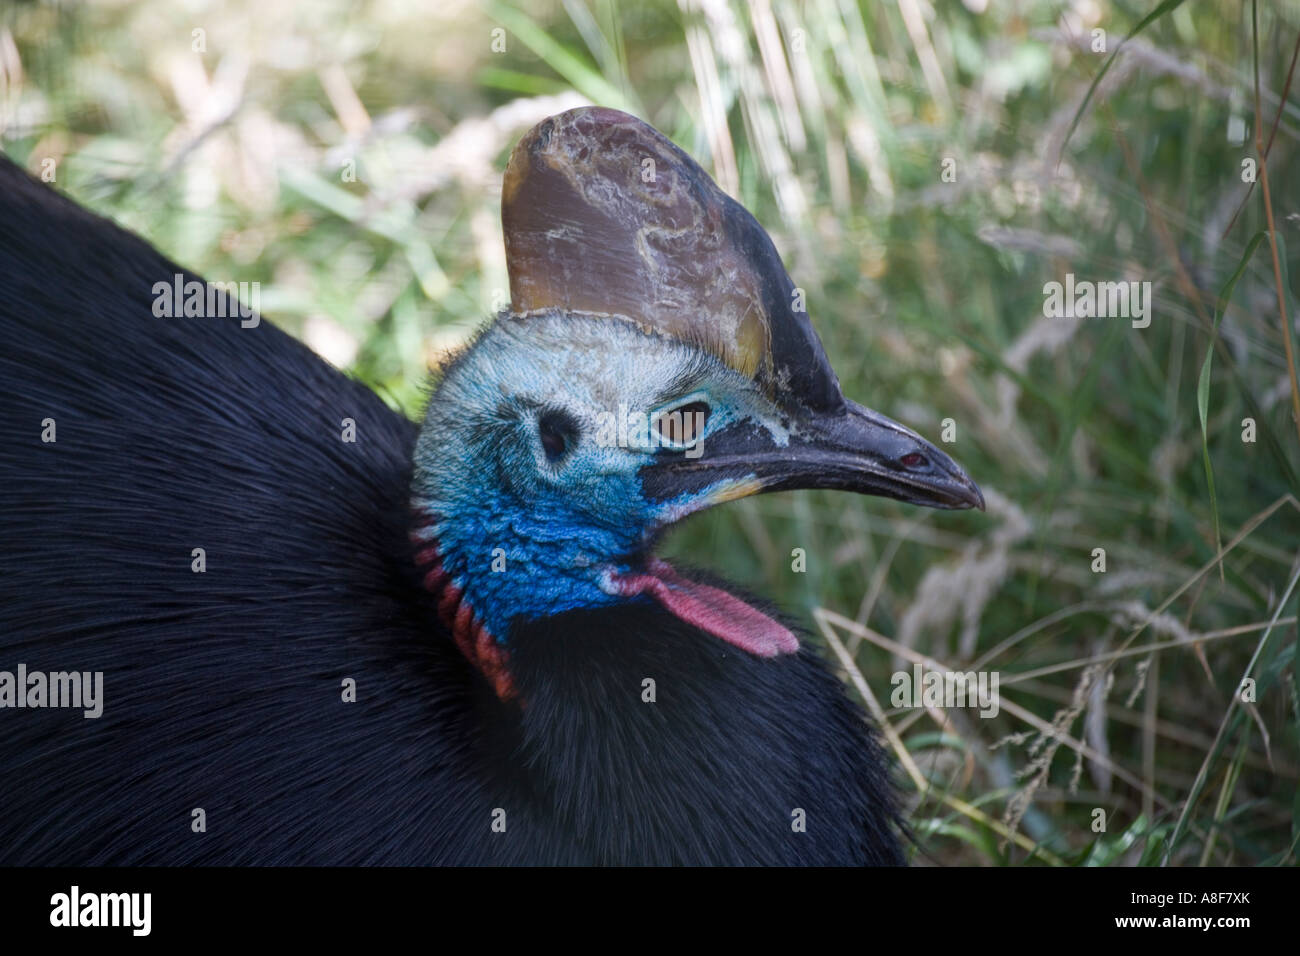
{"points": [[562, 522]]}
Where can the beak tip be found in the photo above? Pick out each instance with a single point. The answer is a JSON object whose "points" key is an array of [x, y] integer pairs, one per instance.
{"points": [[967, 494]]}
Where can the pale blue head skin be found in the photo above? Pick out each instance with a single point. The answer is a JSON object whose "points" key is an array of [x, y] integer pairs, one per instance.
{"points": [[562, 524]]}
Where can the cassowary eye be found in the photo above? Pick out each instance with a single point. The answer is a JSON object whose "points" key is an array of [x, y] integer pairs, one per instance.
{"points": [[683, 425], [558, 432]]}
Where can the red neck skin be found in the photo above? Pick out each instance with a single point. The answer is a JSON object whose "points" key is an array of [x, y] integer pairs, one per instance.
{"points": [[479, 647], [710, 609]]}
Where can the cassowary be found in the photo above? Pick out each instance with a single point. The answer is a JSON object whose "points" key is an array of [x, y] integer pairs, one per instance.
{"points": [[329, 636]]}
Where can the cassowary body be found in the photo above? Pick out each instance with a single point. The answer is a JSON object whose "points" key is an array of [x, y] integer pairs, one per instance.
{"points": [[499, 717]]}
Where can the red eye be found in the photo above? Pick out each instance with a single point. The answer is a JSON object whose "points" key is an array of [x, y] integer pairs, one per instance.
{"points": [[912, 460]]}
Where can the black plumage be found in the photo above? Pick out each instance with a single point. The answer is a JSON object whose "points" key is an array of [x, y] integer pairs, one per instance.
{"points": [[222, 688]]}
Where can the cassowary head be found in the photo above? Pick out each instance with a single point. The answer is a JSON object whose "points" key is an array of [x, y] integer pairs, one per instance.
{"points": [[656, 359]]}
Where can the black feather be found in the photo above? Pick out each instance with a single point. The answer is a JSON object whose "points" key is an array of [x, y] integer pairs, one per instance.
{"points": [[222, 689]]}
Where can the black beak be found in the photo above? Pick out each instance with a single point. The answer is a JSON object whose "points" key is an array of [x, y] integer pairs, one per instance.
{"points": [[850, 448]]}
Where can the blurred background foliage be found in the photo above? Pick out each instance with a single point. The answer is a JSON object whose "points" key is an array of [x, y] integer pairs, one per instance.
{"points": [[347, 156]]}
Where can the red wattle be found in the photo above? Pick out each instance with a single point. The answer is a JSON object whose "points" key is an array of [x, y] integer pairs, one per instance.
{"points": [[711, 609]]}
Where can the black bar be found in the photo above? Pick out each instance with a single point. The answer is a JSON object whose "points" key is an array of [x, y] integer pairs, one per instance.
{"points": [[333, 905]]}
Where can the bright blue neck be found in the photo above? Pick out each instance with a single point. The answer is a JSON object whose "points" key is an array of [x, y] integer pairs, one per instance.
{"points": [[547, 563]]}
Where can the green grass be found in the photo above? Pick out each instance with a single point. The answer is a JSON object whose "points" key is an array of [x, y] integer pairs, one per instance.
{"points": [[831, 121]]}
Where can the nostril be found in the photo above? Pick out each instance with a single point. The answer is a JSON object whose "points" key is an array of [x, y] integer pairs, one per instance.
{"points": [[913, 460]]}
